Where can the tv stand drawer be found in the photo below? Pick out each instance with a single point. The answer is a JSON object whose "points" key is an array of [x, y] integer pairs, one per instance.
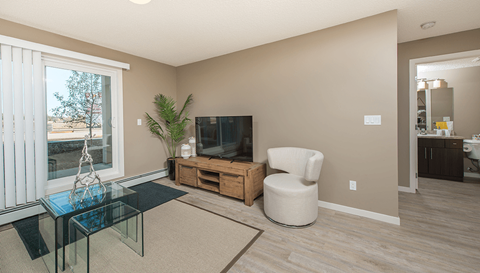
{"points": [[188, 175], [232, 185]]}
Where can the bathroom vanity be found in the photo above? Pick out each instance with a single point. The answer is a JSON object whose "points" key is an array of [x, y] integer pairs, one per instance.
{"points": [[440, 157]]}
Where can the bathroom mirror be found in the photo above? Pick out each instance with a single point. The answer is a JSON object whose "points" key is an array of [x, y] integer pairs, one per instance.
{"points": [[434, 105], [421, 110], [441, 106]]}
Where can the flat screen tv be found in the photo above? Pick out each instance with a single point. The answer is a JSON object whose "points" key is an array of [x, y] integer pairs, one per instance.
{"points": [[229, 137]]}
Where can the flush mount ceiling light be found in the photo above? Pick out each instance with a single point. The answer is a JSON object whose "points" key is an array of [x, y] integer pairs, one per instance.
{"points": [[426, 25], [140, 2]]}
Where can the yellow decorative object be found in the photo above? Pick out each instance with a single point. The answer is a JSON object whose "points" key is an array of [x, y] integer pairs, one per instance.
{"points": [[442, 125]]}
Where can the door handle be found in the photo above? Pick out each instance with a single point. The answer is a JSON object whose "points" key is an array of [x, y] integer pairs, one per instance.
{"points": [[431, 153], [425, 152]]}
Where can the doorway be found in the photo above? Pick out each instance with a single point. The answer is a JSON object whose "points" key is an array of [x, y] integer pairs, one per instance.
{"points": [[413, 112]]}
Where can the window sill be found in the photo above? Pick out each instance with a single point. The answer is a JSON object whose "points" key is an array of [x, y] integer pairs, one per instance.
{"points": [[66, 183]]}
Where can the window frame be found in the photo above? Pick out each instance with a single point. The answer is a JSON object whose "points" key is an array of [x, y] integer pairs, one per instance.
{"points": [[115, 74]]}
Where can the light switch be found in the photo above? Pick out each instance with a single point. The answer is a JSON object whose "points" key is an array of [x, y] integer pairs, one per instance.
{"points": [[139, 121], [372, 120]]}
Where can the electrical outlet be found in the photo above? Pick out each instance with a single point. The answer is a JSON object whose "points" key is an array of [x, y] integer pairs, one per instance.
{"points": [[139, 121], [353, 185]]}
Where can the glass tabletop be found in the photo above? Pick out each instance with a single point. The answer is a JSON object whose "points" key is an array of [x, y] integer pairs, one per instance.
{"points": [[103, 217], [59, 204]]}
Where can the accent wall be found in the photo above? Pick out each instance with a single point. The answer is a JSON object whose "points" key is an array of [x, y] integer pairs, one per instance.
{"points": [[312, 91]]}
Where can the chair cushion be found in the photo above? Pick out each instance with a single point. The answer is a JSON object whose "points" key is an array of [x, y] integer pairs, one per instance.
{"points": [[290, 199], [288, 184]]}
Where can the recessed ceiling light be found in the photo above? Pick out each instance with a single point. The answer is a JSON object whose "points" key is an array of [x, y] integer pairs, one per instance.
{"points": [[428, 25], [476, 60], [140, 2]]}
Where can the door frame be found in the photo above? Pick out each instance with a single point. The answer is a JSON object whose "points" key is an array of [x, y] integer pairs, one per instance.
{"points": [[413, 107]]}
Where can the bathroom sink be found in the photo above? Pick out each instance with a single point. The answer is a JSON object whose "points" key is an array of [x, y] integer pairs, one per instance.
{"points": [[430, 135]]}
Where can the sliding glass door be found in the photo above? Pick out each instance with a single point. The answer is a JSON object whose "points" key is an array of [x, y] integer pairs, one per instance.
{"points": [[82, 102], [50, 99]]}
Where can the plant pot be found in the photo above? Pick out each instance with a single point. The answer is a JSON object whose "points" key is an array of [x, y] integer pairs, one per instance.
{"points": [[171, 168]]}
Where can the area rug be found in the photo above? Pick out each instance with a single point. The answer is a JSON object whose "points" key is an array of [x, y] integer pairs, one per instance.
{"points": [[179, 237], [150, 195]]}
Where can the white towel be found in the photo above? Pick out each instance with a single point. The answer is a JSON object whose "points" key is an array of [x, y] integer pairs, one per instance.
{"points": [[450, 125]]}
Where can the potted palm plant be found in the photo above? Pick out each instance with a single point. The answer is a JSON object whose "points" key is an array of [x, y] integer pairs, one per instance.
{"points": [[170, 127]]}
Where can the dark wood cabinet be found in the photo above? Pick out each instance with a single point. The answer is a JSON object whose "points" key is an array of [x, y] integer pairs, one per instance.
{"points": [[454, 158], [436, 161], [440, 158]]}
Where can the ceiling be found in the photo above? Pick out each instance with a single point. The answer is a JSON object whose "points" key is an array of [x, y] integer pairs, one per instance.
{"points": [[451, 64], [179, 32]]}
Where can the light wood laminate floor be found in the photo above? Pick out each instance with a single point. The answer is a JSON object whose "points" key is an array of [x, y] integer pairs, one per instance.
{"points": [[439, 232]]}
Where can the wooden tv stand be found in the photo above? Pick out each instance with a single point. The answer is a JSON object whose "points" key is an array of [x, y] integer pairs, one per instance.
{"points": [[241, 180]]}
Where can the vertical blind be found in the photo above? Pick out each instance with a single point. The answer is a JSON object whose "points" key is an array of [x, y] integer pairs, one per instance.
{"points": [[23, 159]]}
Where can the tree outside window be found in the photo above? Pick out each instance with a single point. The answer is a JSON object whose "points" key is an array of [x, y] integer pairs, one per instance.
{"points": [[83, 103]]}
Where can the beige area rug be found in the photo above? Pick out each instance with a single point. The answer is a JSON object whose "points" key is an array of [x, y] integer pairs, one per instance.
{"points": [[178, 238]]}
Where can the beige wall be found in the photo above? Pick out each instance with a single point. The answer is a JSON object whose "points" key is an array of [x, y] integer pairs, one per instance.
{"points": [[446, 44], [309, 91], [466, 99], [143, 153], [312, 91]]}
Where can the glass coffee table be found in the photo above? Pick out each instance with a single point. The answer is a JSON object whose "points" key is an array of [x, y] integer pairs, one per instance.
{"points": [[119, 216], [53, 225]]}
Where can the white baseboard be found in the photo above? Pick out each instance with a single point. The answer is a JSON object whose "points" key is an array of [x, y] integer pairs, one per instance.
{"points": [[143, 179], [406, 189], [21, 213], [360, 212], [474, 175]]}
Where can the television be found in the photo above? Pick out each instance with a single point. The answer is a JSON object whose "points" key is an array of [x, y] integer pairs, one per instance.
{"points": [[229, 137]]}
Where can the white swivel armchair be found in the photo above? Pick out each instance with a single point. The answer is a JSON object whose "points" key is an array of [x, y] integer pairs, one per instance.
{"points": [[291, 199]]}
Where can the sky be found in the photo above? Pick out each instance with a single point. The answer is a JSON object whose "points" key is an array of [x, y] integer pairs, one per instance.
{"points": [[56, 80]]}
